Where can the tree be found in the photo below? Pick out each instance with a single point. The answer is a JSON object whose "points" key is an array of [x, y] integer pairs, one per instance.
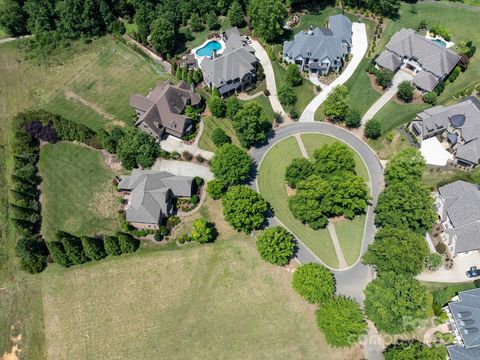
{"points": [[112, 245], [412, 350], [40, 17], [144, 14], [203, 232], [220, 137], [163, 35], [195, 22], [286, 94], [128, 244], [13, 18], [406, 205], [384, 78], [235, 14], [349, 195], [93, 247], [334, 158], [217, 106], [276, 245], [396, 249], [231, 165], [314, 282], [433, 261], [407, 164], [216, 189], [197, 76], [395, 302], [233, 107], [335, 105], [251, 125], [58, 253], [293, 76], [353, 119], [342, 321], [73, 247], [405, 91], [387, 8], [244, 208], [430, 98], [137, 148], [267, 18], [32, 254], [212, 21], [299, 169], [373, 129]]}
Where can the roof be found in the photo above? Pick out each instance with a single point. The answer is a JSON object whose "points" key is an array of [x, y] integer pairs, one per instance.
{"points": [[150, 194], [388, 60], [425, 80], [458, 352], [433, 57], [163, 107], [341, 26], [466, 315]]}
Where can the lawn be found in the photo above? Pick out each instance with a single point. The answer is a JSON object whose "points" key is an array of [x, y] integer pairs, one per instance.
{"points": [[393, 114], [271, 184], [211, 123], [216, 301], [386, 149], [77, 193]]}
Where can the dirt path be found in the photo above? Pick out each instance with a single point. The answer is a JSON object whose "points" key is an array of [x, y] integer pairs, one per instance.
{"points": [[71, 95]]}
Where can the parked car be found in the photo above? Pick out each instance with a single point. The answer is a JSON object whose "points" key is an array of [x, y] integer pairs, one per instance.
{"points": [[473, 272]]}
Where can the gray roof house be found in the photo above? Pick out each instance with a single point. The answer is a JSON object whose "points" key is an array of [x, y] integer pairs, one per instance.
{"points": [[161, 111], [321, 50], [464, 318], [459, 124], [429, 61], [151, 195], [458, 206], [233, 70]]}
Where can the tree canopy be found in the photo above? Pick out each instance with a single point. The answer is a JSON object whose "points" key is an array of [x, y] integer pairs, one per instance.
{"points": [[314, 282], [413, 350], [298, 170], [335, 105], [268, 18], [276, 245], [373, 129], [334, 158], [251, 125], [407, 164], [235, 14], [231, 165], [163, 35]]}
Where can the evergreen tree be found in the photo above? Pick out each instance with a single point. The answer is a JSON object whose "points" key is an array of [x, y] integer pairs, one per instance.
{"points": [[112, 245], [73, 247], [93, 248], [128, 244], [235, 14], [58, 253]]}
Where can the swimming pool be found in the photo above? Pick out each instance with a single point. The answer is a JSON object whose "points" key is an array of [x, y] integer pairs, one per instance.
{"points": [[207, 49], [439, 42]]}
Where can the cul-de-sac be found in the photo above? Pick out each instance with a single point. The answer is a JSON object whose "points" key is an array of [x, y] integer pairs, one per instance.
{"points": [[240, 179]]}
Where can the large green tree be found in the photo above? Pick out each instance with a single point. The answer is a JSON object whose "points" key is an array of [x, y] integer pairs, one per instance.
{"points": [[342, 321], [244, 208], [235, 14], [13, 17], [94, 248], [112, 245], [293, 75], [128, 244], [335, 105], [298, 170], [314, 282], [413, 350], [163, 35], [287, 95], [251, 125], [267, 18], [231, 164], [40, 15], [407, 164], [334, 158], [395, 302], [58, 253], [73, 247], [349, 196], [137, 148], [397, 249], [276, 245]]}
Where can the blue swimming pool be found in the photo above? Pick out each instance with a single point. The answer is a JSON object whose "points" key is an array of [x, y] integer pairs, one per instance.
{"points": [[439, 42], [207, 49]]}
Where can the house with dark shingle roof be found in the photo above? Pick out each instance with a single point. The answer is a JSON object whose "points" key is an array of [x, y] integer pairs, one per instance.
{"points": [[458, 208], [321, 50], [162, 110], [151, 194], [464, 321], [458, 126], [427, 60]]}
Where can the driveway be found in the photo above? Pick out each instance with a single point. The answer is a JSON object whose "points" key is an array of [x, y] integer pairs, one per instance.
{"points": [[359, 48], [262, 55], [171, 143], [456, 274], [183, 168], [390, 93], [351, 281]]}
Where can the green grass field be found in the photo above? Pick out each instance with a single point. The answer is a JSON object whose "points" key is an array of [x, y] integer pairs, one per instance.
{"points": [[213, 301], [211, 123], [77, 193]]}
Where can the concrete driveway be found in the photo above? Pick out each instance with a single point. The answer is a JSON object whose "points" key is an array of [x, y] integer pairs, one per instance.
{"points": [[390, 93], [351, 281], [183, 168], [456, 274], [171, 144], [359, 48]]}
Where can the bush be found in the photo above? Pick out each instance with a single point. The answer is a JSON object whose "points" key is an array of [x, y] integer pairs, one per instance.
{"points": [[220, 137], [216, 189], [128, 244], [293, 76], [433, 261], [198, 181], [439, 88], [276, 245], [353, 118], [187, 156], [195, 199], [314, 282], [454, 74], [441, 247], [384, 78], [373, 129], [287, 95], [203, 231], [405, 91], [430, 98]]}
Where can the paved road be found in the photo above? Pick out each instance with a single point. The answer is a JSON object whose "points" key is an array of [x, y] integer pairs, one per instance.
{"points": [[359, 48], [390, 93], [352, 281]]}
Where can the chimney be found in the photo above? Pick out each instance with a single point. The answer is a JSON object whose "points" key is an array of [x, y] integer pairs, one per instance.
{"points": [[214, 54], [310, 30]]}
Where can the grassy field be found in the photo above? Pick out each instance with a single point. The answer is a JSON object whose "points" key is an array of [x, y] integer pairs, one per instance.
{"points": [[212, 301], [211, 123], [386, 149], [77, 193], [393, 114]]}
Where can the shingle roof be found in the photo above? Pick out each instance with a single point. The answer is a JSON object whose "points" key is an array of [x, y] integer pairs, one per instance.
{"points": [[425, 80], [341, 26], [466, 314], [458, 352], [389, 60]]}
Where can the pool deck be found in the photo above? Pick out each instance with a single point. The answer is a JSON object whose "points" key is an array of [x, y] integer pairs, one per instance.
{"points": [[448, 44], [219, 52]]}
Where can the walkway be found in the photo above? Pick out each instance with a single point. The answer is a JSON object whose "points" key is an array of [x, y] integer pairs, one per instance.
{"points": [[262, 55], [359, 48], [390, 93], [351, 281]]}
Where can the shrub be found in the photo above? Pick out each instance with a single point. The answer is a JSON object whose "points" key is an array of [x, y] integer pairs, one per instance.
{"points": [[430, 98], [198, 181], [216, 189], [335, 105], [293, 76], [414, 349], [373, 129], [353, 119], [439, 88], [203, 231], [441, 247], [433, 261], [454, 74], [187, 156], [195, 199], [314, 282], [220, 137], [287, 95], [276, 245], [128, 244], [405, 91], [384, 78]]}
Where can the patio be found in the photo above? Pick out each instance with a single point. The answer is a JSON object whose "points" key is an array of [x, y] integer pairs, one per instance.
{"points": [[435, 153]]}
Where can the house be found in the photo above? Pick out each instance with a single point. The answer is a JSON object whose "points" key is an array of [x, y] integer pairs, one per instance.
{"points": [[151, 194], [235, 69], [464, 322], [458, 126], [161, 111], [458, 208], [321, 50], [429, 61]]}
